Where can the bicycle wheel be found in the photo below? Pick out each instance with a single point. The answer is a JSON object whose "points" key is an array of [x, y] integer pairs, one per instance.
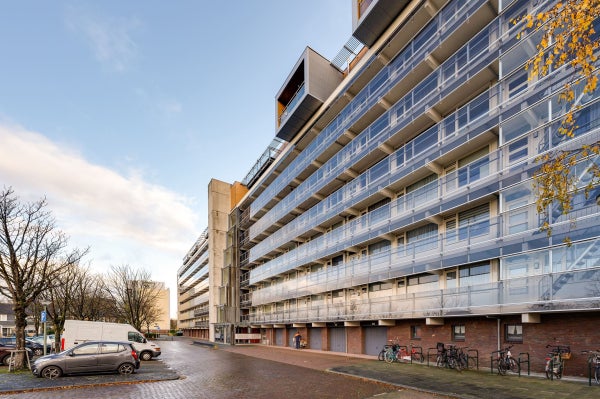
{"points": [[558, 371], [462, 362], [597, 374], [452, 363], [548, 370], [501, 367], [439, 361], [381, 356], [513, 365], [389, 356]]}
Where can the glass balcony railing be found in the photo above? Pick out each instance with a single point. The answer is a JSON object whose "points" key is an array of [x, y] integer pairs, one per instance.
{"points": [[465, 124], [471, 120], [415, 103], [523, 295], [289, 109], [403, 212], [411, 56], [193, 270]]}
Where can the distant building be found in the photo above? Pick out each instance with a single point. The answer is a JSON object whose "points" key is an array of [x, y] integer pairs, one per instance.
{"points": [[7, 320], [163, 323]]}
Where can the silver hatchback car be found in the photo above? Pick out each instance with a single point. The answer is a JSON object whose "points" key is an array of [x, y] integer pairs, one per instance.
{"points": [[89, 357]]}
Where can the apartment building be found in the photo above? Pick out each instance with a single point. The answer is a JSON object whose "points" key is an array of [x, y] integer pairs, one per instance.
{"points": [[207, 282], [399, 201]]}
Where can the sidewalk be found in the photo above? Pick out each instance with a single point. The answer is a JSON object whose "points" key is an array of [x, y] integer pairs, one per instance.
{"points": [[420, 378]]}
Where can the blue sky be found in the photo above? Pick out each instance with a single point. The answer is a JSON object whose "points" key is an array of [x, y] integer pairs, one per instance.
{"points": [[120, 112]]}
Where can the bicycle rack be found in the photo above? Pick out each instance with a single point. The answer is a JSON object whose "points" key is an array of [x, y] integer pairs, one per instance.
{"points": [[429, 354], [476, 357], [524, 361], [419, 350], [492, 359]]}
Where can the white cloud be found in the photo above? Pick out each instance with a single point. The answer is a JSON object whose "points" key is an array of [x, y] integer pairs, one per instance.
{"points": [[109, 38], [124, 219]]}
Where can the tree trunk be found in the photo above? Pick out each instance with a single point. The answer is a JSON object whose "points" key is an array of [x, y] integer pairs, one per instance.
{"points": [[20, 324]]}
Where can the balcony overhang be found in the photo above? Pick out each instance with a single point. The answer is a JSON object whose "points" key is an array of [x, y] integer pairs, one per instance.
{"points": [[371, 18], [310, 83]]}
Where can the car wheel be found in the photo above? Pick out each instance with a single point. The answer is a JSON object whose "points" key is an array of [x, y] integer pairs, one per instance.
{"points": [[126, 368], [5, 360], [51, 372], [146, 356], [38, 352]]}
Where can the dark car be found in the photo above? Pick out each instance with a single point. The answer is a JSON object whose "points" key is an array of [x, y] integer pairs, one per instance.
{"points": [[89, 357], [36, 348], [5, 351]]}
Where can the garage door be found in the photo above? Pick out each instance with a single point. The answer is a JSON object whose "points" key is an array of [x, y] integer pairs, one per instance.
{"points": [[375, 338], [314, 340], [337, 339], [279, 336]]}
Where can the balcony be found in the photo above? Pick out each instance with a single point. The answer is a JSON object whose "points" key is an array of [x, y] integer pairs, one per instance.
{"points": [[370, 18], [311, 82], [521, 295]]}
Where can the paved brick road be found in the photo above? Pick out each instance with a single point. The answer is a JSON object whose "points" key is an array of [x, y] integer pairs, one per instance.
{"points": [[216, 374]]}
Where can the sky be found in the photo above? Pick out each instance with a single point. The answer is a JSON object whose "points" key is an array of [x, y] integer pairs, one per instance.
{"points": [[120, 112]]}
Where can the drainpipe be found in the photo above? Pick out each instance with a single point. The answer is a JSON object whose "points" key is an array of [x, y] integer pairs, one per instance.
{"points": [[497, 330]]}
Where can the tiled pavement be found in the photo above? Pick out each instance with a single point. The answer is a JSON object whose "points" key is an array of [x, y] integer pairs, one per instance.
{"points": [[415, 381]]}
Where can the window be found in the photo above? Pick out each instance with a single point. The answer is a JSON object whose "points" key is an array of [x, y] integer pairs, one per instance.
{"points": [[517, 84], [474, 222], [517, 150], [415, 332], [423, 282], [135, 337], [451, 281], [458, 332], [90, 349], [111, 348], [474, 274], [513, 333], [379, 247], [3, 317], [338, 260], [374, 287]]}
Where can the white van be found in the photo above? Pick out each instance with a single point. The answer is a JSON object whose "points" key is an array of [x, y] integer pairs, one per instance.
{"points": [[78, 331]]}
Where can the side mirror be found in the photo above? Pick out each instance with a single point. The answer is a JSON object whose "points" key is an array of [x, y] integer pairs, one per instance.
{"points": [[71, 354], [144, 340]]}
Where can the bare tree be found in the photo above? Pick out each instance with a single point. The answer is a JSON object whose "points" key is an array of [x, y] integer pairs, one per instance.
{"points": [[31, 251], [62, 296], [91, 301], [133, 295]]}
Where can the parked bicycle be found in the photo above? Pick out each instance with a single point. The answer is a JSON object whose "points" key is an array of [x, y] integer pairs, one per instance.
{"points": [[505, 362], [392, 353], [594, 364], [387, 347], [464, 360], [448, 357], [411, 354], [555, 361]]}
